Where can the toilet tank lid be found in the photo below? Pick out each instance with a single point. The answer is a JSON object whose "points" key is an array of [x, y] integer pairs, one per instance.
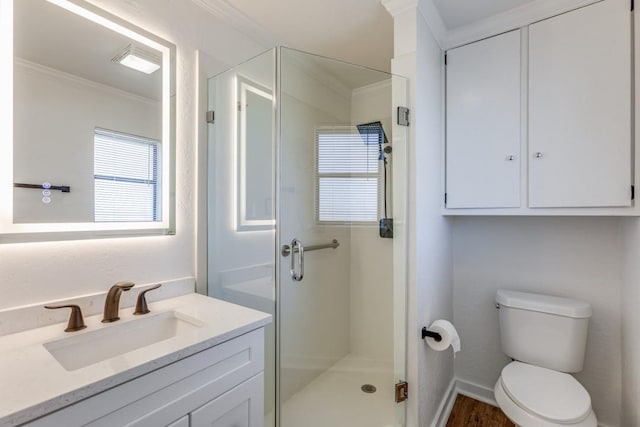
{"points": [[544, 303]]}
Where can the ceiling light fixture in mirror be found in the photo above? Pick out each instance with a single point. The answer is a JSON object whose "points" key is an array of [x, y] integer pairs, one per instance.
{"points": [[88, 129]]}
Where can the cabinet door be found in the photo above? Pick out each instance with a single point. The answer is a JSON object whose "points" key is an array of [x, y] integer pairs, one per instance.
{"points": [[483, 123], [242, 406], [580, 108]]}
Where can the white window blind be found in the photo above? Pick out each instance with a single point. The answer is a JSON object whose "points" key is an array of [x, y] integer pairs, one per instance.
{"points": [[347, 176], [126, 171]]}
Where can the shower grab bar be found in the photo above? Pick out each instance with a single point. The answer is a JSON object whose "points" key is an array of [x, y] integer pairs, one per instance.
{"points": [[286, 249]]}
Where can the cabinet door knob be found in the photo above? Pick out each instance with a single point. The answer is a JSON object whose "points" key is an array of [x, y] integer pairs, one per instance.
{"points": [[538, 155], [511, 157]]}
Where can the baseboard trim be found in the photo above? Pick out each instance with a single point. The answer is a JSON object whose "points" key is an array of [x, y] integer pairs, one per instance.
{"points": [[456, 387], [476, 391], [446, 405]]}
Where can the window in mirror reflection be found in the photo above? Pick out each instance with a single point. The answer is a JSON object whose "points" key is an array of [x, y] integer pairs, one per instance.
{"points": [[126, 170]]}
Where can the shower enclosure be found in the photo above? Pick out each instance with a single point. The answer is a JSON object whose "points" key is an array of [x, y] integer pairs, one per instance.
{"points": [[306, 221]]}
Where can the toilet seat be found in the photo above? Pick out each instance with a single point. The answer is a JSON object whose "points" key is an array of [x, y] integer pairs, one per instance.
{"points": [[535, 396]]}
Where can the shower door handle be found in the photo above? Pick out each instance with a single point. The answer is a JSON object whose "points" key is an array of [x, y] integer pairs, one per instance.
{"points": [[297, 274]]}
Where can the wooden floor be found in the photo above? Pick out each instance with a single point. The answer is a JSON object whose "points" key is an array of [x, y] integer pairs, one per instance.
{"points": [[468, 412]]}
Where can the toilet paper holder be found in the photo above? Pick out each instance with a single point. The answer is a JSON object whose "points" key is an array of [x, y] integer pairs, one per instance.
{"points": [[427, 333]]}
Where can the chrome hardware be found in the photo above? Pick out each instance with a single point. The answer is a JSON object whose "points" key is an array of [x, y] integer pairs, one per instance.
{"points": [[498, 306], [538, 155], [296, 248], [510, 158], [286, 249]]}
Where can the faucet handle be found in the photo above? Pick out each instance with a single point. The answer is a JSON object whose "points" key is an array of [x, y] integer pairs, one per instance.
{"points": [[141, 304], [124, 285], [76, 321]]}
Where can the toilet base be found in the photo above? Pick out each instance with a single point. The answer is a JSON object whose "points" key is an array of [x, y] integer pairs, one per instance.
{"points": [[523, 418]]}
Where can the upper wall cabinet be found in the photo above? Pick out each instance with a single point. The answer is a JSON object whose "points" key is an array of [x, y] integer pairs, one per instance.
{"points": [[483, 124], [580, 108], [558, 91]]}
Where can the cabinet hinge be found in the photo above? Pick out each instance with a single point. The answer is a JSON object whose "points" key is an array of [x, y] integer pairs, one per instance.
{"points": [[402, 391], [633, 192]]}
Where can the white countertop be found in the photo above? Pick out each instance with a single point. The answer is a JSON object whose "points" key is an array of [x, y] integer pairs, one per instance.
{"points": [[33, 383]]}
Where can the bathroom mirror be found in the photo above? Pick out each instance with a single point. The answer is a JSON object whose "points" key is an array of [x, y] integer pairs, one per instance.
{"points": [[88, 129], [255, 156]]}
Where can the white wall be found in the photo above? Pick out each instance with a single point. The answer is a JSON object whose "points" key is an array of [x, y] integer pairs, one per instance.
{"points": [[34, 272], [571, 257], [371, 267], [55, 116], [430, 292], [630, 229]]}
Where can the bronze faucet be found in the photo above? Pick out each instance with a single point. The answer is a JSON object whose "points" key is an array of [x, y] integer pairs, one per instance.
{"points": [[112, 301]]}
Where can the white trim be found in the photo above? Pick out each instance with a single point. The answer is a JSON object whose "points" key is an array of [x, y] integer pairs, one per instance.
{"points": [[476, 391], [446, 405], [397, 7], [239, 21], [432, 17], [373, 87], [34, 66], [510, 20]]}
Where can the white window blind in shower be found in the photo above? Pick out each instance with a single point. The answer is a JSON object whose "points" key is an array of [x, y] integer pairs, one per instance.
{"points": [[126, 171], [347, 176]]}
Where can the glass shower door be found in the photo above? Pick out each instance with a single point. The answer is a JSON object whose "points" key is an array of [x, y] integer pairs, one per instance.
{"points": [[341, 262]]}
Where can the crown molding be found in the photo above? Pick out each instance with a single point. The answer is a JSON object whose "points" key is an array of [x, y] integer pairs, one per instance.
{"points": [[43, 69], [431, 15], [509, 20], [397, 7], [512, 19], [232, 16]]}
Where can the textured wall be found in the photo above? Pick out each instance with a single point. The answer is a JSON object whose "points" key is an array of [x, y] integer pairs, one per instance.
{"points": [[572, 257]]}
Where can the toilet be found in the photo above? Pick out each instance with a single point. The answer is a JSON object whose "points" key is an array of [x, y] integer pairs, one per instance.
{"points": [[546, 337]]}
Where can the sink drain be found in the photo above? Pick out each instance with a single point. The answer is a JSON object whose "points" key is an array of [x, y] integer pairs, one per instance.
{"points": [[368, 388]]}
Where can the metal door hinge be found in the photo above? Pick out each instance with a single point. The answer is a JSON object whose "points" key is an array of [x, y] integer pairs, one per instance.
{"points": [[211, 117], [445, 59], [633, 192], [402, 391], [403, 116], [445, 198]]}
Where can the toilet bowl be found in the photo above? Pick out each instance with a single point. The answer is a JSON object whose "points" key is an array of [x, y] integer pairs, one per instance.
{"points": [[546, 338], [533, 396]]}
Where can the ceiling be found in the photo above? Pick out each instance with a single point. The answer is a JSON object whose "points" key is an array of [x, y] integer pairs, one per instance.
{"points": [[48, 35], [458, 13], [357, 31]]}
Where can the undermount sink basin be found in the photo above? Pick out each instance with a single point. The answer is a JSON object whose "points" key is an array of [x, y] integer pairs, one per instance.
{"points": [[79, 351]]}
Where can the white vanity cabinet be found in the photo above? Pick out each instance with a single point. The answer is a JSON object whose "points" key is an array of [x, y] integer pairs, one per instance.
{"points": [[483, 123], [221, 386], [559, 91]]}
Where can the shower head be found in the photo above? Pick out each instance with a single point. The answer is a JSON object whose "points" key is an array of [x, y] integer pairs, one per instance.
{"points": [[372, 133]]}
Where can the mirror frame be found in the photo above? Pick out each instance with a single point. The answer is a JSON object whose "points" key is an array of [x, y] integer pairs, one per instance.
{"points": [[12, 232]]}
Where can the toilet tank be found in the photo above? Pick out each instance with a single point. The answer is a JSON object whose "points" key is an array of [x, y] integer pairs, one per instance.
{"points": [[543, 330]]}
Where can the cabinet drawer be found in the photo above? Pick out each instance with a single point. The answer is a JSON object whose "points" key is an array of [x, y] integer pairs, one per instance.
{"points": [[165, 395], [240, 407]]}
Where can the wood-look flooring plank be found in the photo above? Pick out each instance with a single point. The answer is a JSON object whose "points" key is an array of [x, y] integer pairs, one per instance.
{"points": [[468, 412]]}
